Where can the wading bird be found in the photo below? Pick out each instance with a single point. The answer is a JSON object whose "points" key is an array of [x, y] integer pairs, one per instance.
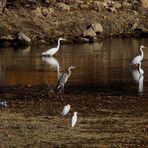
{"points": [[3, 103], [138, 58], [66, 109], [63, 79], [52, 51], [74, 119]]}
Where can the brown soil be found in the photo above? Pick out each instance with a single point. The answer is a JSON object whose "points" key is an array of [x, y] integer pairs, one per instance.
{"points": [[69, 24], [32, 119]]}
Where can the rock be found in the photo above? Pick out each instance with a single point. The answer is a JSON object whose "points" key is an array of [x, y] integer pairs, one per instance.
{"points": [[50, 10], [79, 1], [135, 26], [97, 27], [126, 5], [8, 37], [81, 40], [38, 12], [44, 11], [112, 9], [84, 6], [117, 5], [63, 6], [22, 38], [89, 33], [145, 3], [110, 3]]}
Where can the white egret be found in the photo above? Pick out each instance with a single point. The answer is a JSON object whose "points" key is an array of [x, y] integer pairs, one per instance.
{"points": [[138, 58], [74, 119], [52, 51], [66, 109], [63, 79]]}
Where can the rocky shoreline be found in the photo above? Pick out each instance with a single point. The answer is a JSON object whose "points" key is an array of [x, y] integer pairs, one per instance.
{"points": [[77, 20]]}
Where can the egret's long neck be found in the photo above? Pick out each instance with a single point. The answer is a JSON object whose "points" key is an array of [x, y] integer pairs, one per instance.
{"points": [[58, 44], [141, 53]]}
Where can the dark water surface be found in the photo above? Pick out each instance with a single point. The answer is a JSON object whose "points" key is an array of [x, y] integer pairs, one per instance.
{"points": [[100, 67]]}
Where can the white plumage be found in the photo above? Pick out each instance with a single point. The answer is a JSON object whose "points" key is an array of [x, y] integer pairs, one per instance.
{"points": [[66, 109], [52, 51], [138, 58], [74, 119]]}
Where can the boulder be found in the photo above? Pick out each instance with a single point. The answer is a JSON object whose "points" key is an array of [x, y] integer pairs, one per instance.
{"points": [[145, 3], [81, 40], [112, 9], [44, 11], [22, 38], [126, 5], [89, 33], [7, 37], [117, 5], [63, 6], [38, 12], [97, 27], [79, 1]]}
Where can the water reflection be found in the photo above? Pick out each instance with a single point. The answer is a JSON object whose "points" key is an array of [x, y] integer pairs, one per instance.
{"points": [[138, 79], [53, 62], [101, 65]]}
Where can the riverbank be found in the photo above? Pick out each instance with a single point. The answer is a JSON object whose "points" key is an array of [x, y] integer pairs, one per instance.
{"points": [[31, 119], [78, 21]]}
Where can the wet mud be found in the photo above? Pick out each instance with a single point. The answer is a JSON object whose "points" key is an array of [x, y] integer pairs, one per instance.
{"points": [[32, 119]]}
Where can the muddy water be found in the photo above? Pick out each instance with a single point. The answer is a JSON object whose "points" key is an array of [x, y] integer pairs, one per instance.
{"points": [[102, 67]]}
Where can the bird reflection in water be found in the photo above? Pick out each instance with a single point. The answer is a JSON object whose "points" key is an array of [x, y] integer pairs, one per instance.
{"points": [[53, 62], [138, 77]]}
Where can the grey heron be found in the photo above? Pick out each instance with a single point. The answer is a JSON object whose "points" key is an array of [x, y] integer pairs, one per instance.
{"points": [[74, 119], [138, 58], [63, 79], [52, 51]]}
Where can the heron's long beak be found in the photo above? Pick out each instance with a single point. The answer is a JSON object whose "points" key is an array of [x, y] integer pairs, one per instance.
{"points": [[64, 39]]}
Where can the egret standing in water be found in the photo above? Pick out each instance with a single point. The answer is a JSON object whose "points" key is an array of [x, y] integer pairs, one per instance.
{"points": [[63, 79], [74, 119], [52, 51], [138, 58], [66, 109]]}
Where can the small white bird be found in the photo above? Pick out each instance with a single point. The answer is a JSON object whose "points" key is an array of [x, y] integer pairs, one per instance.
{"points": [[3, 104], [74, 119], [66, 109], [52, 51], [138, 58]]}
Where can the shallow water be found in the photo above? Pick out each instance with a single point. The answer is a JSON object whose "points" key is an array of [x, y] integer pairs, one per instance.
{"points": [[102, 67]]}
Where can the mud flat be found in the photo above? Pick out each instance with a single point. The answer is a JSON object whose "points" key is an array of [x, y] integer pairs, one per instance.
{"points": [[32, 119]]}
